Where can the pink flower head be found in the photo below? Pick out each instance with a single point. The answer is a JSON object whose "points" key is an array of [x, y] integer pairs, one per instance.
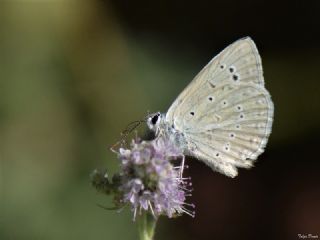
{"points": [[150, 181]]}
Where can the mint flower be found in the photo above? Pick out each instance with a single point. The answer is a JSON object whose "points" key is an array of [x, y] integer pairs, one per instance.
{"points": [[150, 181]]}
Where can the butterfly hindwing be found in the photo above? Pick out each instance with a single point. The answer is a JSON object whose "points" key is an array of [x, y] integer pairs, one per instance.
{"points": [[230, 129]]}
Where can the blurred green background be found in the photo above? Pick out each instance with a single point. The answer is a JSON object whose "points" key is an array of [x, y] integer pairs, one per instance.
{"points": [[73, 74]]}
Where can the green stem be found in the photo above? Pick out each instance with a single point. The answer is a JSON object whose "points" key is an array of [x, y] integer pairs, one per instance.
{"points": [[146, 225]]}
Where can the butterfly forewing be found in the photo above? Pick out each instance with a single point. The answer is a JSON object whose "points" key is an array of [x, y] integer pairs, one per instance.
{"points": [[240, 61], [226, 113]]}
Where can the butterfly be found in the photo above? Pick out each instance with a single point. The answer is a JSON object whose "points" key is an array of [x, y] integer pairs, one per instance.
{"points": [[224, 116]]}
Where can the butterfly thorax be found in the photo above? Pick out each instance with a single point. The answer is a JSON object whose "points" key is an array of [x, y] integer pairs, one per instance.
{"points": [[158, 124]]}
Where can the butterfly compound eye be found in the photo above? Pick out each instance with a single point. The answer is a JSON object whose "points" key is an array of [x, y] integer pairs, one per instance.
{"points": [[154, 119]]}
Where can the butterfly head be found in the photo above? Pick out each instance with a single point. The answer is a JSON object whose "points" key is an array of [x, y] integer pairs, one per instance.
{"points": [[154, 120]]}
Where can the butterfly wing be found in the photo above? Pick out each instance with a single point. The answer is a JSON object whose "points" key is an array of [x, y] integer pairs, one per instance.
{"points": [[241, 57], [228, 127], [226, 113]]}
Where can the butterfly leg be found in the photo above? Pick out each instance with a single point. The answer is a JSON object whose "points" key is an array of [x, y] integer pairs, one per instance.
{"points": [[112, 148], [121, 142], [182, 165]]}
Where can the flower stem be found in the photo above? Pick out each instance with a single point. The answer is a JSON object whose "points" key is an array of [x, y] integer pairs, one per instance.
{"points": [[146, 225]]}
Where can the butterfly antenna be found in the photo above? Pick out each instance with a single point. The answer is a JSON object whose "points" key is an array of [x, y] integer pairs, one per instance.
{"points": [[130, 127]]}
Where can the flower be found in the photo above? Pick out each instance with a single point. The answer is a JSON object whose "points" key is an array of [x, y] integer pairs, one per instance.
{"points": [[150, 181]]}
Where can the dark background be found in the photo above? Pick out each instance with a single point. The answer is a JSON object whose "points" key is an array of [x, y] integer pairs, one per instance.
{"points": [[74, 73]]}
